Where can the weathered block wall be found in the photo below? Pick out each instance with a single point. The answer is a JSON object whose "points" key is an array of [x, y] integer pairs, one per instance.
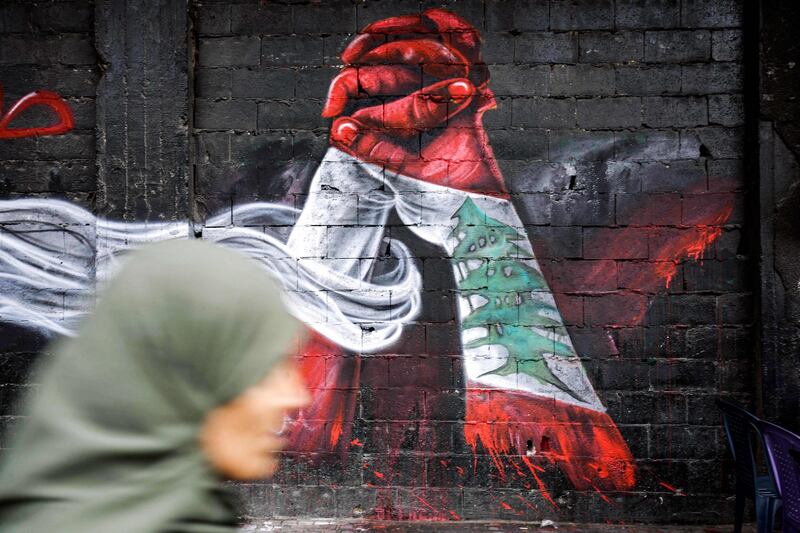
{"points": [[619, 132], [43, 46], [779, 139]]}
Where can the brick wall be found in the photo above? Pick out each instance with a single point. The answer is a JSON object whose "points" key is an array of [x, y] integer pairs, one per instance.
{"points": [[619, 131]]}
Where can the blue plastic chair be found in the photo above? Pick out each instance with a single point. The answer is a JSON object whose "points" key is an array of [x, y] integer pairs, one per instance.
{"points": [[740, 426], [783, 452]]}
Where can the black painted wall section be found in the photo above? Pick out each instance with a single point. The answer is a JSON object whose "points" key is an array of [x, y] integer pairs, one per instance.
{"points": [[780, 205], [143, 109]]}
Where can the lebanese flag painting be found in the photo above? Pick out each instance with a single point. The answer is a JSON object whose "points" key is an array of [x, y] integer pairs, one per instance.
{"points": [[407, 137]]}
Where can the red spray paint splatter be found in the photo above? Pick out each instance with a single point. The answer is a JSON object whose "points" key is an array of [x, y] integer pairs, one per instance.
{"points": [[391, 507], [542, 487], [333, 381], [426, 504], [691, 245], [336, 427], [668, 247], [585, 444], [672, 489], [600, 492], [527, 504]]}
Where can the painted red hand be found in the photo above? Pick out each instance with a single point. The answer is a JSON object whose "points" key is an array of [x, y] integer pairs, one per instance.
{"points": [[432, 88]]}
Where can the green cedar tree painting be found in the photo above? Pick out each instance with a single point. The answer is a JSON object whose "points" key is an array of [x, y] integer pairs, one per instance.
{"points": [[515, 316]]}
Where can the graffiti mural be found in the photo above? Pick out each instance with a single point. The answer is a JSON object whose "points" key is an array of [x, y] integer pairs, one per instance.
{"points": [[407, 140], [524, 380], [64, 120]]}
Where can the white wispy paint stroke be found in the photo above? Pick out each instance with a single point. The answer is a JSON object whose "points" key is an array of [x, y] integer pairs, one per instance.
{"points": [[55, 255]]}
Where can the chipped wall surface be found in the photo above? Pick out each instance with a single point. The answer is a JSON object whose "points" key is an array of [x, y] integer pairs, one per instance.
{"points": [[516, 227]]}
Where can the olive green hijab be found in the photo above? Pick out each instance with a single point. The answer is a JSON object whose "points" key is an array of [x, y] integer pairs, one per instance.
{"points": [[111, 441]]}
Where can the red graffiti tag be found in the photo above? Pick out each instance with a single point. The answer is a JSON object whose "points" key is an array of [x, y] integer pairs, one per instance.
{"points": [[65, 121]]}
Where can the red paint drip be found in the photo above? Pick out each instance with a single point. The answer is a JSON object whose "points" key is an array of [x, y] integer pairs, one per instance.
{"points": [[542, 487], [356, 442], [585, 444], [598, 491], [332, 380], [336, 428], [527, 504], [426, 504], [671, 488], [691, 245], [389, 507], [517, 468], [667, 486]]}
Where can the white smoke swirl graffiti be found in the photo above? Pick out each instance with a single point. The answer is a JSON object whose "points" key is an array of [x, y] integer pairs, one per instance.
{"points": [[54, 255]]}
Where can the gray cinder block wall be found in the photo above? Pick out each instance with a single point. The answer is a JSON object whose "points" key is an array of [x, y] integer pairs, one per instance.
{"points": [[620, 130]]}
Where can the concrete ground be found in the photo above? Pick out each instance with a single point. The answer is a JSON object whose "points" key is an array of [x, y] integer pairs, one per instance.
{"points": [[353, 526]]}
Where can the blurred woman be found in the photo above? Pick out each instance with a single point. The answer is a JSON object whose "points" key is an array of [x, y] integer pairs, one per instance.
{"points": [[179, 380]]}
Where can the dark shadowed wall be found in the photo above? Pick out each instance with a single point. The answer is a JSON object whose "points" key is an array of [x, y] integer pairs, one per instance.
{"points": [[779, 201]]}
